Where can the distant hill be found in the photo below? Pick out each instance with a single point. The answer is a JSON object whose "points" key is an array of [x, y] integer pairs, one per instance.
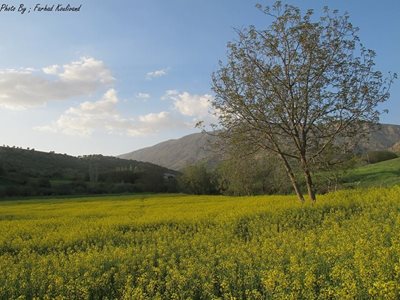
{"points": [[395, 147], [197, 147], [179, 153], [384, 138], [29, 172]]}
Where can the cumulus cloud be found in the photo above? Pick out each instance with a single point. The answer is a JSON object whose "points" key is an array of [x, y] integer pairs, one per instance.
{"points": [[103, 116], [82, 120], [193, 105], [26, 88], [156, 73], [52, 70], [87, 69], [198, 107]]}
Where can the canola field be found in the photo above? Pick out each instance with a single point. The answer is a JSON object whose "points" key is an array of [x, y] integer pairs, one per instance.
{"points": [[347, 246]]}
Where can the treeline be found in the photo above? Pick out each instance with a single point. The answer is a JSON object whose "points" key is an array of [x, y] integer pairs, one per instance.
{"points": [[34, 173], [258, 175], [236, 178]]}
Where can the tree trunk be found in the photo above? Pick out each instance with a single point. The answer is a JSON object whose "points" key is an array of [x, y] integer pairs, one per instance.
{"points": [[290, 173], [309, 182], [310, 186]]}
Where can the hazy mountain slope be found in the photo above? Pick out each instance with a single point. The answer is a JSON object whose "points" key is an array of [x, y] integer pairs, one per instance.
{"points": [[176, 154], [383, 138], [395, 147], [193, 148]]}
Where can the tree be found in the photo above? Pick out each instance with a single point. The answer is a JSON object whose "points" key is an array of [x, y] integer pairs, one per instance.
{"points": [[373, 157], [196, 179], [250, 175], [298, 88]]}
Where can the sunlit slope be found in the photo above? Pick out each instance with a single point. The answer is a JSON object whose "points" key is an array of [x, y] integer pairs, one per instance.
{"points": [[385, 173], [202, 247]]}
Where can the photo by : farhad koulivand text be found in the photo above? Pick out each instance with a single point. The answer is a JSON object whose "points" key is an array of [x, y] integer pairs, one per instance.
{"points": [[22, 8], [56, 7]]}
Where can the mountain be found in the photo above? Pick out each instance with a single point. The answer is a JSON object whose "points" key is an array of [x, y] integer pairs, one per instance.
{"points": [[26, 172], [178, 153], [197, 147], [383, 138], [395, 147]]}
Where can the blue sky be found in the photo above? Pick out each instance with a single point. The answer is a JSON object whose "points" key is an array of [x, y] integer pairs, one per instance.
{"points": [[122, 75]]}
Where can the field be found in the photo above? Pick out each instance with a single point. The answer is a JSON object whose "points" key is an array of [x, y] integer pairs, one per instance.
{"points": [[202, 247]]}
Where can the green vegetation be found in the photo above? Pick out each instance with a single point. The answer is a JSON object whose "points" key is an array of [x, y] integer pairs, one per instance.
{"points": [[250, 175], [265, 176], [386, 173], [197, 180], [346, 246], [34, 173], [235, 177], [372, 157]]}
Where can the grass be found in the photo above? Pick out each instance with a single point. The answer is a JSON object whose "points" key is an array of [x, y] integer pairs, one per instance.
{"points": [[382, 174], [202, 247]]}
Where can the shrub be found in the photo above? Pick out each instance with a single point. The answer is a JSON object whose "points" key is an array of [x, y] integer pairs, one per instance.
{"points": [[377, 156]]}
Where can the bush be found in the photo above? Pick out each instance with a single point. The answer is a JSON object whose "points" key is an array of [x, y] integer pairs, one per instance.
{"points": [[240, 176], [378, 156], [197, 180]]}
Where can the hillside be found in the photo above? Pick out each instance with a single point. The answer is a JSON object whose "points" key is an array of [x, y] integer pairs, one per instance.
{"points": [[179, 153], [30, 172], [385, 173], [383, 138], [193, 148], [395, 147]]}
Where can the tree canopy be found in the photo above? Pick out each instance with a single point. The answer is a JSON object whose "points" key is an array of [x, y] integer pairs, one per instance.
{"points": [[299, 88]]}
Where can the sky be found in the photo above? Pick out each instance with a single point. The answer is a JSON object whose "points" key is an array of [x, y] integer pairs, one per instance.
{"points": [[122, 75]]}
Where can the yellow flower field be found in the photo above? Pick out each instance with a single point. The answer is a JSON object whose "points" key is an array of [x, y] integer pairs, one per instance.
{"points": [[202, 247]]}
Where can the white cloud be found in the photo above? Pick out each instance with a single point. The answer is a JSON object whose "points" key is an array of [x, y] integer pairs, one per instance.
{"points": [[198, 107], [143, 96], [26, 88], [157, 73], [87, 69], [193, 105], [103, 116], [52, 70], [88, 116]]}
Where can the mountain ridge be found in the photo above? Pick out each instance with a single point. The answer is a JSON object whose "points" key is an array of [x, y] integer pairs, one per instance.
{"points": [[178, 153]]}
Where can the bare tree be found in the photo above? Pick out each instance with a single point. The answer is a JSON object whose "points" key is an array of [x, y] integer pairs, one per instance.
{"points": [[297, 88]]}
